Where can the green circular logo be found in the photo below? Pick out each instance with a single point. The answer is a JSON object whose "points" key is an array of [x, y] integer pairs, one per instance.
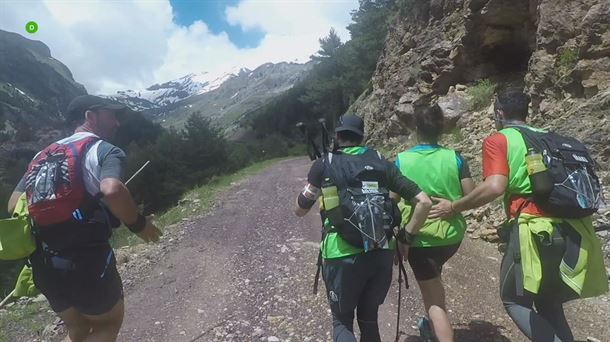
{"points": [[31, 27]]}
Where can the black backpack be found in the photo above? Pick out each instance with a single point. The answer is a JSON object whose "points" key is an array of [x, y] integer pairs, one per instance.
{"points": [[576, 190], [365, 215]]}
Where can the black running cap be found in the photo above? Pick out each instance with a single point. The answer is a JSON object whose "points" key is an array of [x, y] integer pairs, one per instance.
{"points": [[350, 123], [80, 104]]}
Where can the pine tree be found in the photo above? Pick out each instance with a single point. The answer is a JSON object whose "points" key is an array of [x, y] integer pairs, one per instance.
{"points": [[328, 46]]}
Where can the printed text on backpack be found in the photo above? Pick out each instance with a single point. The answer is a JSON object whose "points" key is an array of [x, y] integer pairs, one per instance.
{"points": [[364, 213]]}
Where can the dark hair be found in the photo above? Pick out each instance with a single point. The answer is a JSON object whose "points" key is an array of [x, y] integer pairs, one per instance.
{"points": [[513, 103], [349, 136], [430, 123], [75, 120]]}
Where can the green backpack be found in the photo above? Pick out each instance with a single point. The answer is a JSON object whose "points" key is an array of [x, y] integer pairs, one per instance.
{"points": [[16, 239]]}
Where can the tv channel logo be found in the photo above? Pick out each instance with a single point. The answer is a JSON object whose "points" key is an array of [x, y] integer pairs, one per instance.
{"points": [[31, 27]]}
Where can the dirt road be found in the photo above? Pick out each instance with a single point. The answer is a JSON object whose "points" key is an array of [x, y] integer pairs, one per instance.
{"points": [[244, 273]]}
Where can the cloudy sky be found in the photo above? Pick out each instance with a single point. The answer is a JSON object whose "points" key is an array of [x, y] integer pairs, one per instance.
{"points": [[112, 45]]}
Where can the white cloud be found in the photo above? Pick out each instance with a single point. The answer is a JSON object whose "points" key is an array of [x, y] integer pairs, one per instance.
{"points": [[115, 45], [195, 49], [292, 28]]}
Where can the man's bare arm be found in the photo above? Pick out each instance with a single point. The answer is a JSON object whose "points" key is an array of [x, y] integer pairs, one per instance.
{"points": [[306, 199], [493, 187], [118, 199], [300, 212]]}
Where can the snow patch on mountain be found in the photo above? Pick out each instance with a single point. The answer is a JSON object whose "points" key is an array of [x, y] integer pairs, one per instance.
{"points": [[160, 95]]}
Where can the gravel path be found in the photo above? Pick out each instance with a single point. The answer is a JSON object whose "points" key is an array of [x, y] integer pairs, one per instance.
{"points": [[244, 273]]}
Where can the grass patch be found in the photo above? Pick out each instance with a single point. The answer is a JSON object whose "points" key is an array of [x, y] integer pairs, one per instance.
{"points": [[566, 60], [22, 318], [195, 202], [480, 94]]}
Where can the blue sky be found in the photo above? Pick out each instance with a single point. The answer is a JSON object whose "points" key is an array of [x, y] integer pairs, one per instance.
{"points": [[132, 44], [212, 12]]}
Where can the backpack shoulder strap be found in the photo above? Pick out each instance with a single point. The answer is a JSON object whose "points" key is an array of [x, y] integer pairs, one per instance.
{"points": [[530, 137], [331, 161]]}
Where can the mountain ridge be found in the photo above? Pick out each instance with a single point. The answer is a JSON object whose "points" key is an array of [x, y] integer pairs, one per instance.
{"points": [[35, 88], [222, 96]]}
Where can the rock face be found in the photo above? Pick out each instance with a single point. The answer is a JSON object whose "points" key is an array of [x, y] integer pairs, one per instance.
{"points": [[34, 87], [558, 51]]}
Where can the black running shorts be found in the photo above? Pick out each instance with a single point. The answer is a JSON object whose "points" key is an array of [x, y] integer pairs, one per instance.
{"points": [[427, 262], [361, 280], [91, 284]]}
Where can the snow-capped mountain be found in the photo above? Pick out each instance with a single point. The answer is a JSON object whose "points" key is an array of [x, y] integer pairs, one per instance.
{"points": [[223, 96], [161, 95]]}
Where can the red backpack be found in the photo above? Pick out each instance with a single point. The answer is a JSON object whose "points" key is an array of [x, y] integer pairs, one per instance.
{"points": [[54, 183]]}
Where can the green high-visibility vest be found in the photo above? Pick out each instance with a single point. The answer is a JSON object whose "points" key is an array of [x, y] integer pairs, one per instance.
{"points": [[435, 170], [518, 178]]}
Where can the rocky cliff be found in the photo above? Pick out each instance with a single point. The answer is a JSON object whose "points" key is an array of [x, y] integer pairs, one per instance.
{"points": [[436, 51], [34, 87]]}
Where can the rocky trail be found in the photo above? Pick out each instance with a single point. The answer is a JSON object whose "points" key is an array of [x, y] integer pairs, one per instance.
{"points": [[244, 273]]}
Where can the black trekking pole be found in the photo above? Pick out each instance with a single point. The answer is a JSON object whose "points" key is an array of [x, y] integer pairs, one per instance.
{"points": [[401, 271], [312, 149], [325, 138], [317, 277], [399, 303]]}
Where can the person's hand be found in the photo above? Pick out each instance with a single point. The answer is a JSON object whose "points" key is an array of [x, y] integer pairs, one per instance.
{"points": [[150, 233], [442, 209], [404, 252]]}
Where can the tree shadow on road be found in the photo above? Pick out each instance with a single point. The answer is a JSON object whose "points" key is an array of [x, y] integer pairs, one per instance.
{"points": [[475, 331]]}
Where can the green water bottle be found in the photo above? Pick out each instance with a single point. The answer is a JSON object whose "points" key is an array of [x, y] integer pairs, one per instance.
{"points": [[541, 182]]}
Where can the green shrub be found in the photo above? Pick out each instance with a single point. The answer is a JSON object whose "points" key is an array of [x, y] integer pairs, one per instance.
{"points": [[566, 60], [480, 94]]}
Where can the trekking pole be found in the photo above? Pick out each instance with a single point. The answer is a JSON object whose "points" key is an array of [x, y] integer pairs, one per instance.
{"points": [[319, 266], [399, 302], [5, 300], [137, 172], [313, 151], [401, 271], [100, 194], [325, 138], [317, 276]]}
